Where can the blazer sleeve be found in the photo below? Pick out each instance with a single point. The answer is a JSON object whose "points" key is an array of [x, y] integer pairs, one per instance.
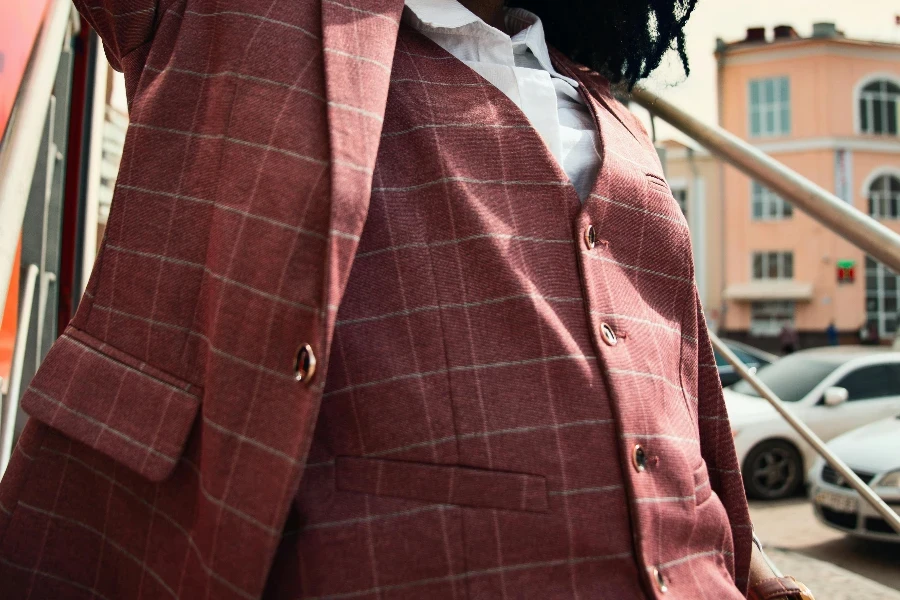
{"points": [[123, 25]]}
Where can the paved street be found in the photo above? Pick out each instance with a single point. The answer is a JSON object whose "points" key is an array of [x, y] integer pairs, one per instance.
{"points": [[793, 533]]}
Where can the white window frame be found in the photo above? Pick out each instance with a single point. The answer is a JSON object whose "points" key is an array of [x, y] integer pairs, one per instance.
{"points": [[880, 201], [781, 264], [767, 199], [880, 293], [777, 107], [858, 96], [773, 317]]}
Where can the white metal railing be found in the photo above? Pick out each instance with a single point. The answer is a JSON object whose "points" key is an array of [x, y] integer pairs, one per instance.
{"points": [[807, 434], [839, 216], [851, 224], [20, 151], [114, 128], [19, 157], [11, 403]]}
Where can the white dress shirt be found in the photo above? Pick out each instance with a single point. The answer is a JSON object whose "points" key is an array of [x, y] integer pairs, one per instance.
{"points": [[520, 67]]}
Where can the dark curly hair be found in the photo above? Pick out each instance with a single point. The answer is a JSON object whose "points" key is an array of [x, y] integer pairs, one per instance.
{"points": [[625, 40]]}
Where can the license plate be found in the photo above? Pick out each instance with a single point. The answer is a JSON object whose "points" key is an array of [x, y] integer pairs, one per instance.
{"points": [[836, 502]]}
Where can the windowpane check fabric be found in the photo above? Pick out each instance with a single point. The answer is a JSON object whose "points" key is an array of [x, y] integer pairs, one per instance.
{"points": [[473, 434]]}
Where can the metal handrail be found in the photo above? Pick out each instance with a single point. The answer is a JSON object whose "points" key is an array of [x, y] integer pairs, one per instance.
{"points": [[19, 154], [11, 403], [807, 434], [835, 214], [840, 217]]}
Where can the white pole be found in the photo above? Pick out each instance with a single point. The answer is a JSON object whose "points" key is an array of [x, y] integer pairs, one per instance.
{"points": [[19, 156], [851, 224], [807, 434], [11, 405], [95, 160]]}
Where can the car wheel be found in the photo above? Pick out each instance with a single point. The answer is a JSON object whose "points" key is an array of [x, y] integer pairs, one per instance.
{"points": [[773, 470]]}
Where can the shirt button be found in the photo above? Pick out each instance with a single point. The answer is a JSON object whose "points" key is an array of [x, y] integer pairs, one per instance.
{"points": [[639, 458], [660, 582], [609, 336], [305, 364], [590, 237]]}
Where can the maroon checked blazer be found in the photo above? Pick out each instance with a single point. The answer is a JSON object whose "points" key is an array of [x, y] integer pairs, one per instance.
{"points": [[515, 396]]}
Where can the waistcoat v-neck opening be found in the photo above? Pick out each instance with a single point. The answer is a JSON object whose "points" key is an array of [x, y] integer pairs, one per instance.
{"points": [[499, 98]]}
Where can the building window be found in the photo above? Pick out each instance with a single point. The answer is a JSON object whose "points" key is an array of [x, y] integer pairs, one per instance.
{"points": [[881, 297], [879, 103], [767, 318], [884, 197], [773, 265], [681, 196], [767, 205], [770, 107]]}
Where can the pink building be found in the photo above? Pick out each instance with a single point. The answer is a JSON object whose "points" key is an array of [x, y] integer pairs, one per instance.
{"points": [[826, 106]]}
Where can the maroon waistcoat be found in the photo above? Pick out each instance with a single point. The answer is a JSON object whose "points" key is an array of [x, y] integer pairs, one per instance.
{"points": [[512, 403]]}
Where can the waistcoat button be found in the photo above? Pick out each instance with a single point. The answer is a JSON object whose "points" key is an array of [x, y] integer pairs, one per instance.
{"points": [[639, 459], [609, 336], [590, 237], [660, 582], [305, 364]]}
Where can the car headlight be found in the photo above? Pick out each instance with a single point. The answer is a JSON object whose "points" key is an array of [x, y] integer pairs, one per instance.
{"points": [[892, 479]]}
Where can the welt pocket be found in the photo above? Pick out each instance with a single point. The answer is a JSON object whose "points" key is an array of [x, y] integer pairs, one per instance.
{"points": [[442, 484], [659, 184], [661, 201]]}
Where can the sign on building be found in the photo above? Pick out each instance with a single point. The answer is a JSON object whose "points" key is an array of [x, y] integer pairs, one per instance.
{"points": [[843, 175]]}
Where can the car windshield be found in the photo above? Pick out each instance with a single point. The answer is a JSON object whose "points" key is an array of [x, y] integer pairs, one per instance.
{"points": [[791, 378]]}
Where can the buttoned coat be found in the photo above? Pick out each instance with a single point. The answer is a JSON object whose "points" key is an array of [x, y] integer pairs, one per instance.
{"points": [[514, 393]]}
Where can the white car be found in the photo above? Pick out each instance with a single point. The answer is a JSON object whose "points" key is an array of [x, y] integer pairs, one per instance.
{"points": [[832, 390], [873, 452]]}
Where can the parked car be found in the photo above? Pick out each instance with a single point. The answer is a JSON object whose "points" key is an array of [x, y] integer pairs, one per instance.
{"points": [[873, 452], [833, 390], [750, 356]]}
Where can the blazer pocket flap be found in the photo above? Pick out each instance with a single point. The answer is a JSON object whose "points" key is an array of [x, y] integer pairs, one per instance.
{"points": [[114, 403], [442, 484]]}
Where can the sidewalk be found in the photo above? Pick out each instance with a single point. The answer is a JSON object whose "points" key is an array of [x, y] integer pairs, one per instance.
{"points": [[827, 581]]}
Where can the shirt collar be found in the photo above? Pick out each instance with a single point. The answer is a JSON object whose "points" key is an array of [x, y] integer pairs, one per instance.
{"points": [[451, 17], [444, 15]]}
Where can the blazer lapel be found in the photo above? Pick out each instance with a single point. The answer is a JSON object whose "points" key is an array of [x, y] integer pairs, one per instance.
{"points": [[358, 40]]}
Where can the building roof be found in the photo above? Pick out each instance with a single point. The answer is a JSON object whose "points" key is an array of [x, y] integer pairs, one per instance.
{"points": [[784, 36]]}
